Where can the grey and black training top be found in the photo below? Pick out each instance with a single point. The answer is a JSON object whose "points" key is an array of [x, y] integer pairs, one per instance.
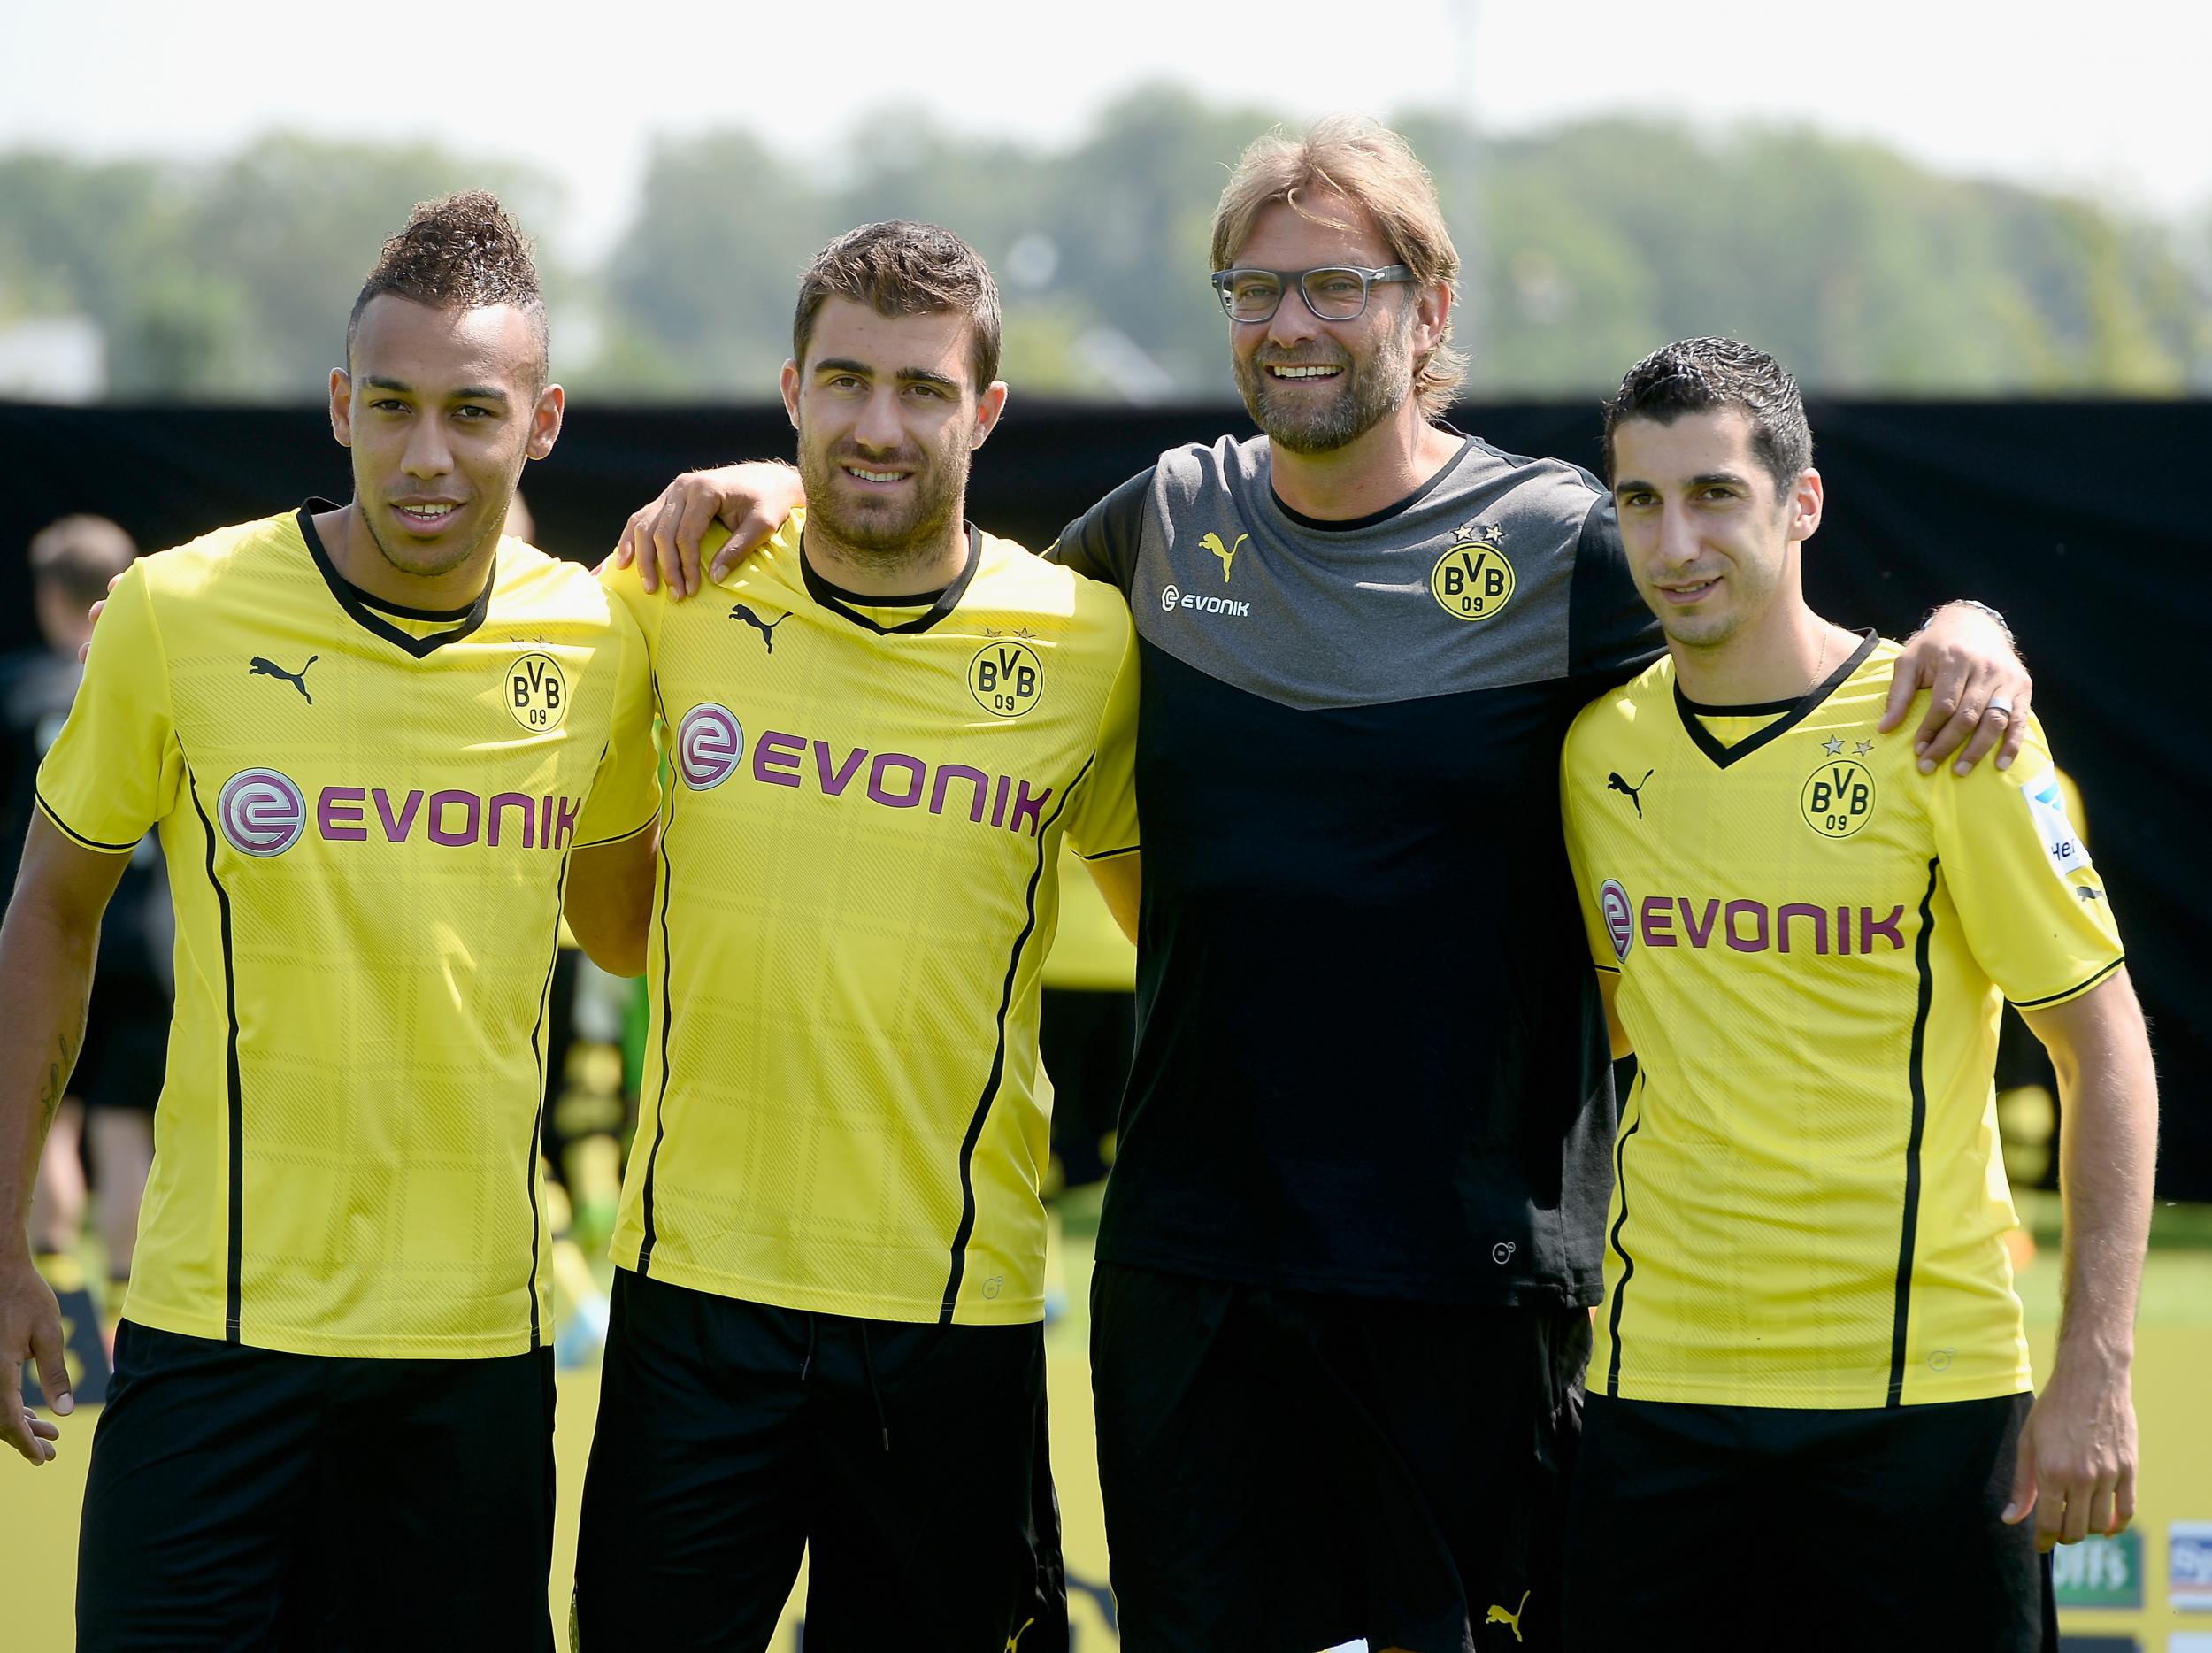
{"points": [[1371, 1054]]}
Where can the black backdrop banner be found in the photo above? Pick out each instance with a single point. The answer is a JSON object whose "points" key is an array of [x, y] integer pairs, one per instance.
{"points": [[2062, 514]]}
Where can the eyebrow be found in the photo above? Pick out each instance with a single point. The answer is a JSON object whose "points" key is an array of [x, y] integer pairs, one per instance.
{"points": [[466, 393], [1703, 478], [910, 375]]}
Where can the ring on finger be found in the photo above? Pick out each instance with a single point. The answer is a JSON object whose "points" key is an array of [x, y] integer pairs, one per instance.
{"points": [[2002, 708]]}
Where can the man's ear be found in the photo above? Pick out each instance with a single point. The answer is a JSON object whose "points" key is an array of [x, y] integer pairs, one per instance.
{"points": [[341, 407], [1805, 505], [1432, 311], [790, 381], [545, 421], [989, 406]]}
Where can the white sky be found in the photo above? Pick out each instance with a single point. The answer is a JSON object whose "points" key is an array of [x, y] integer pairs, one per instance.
{"points": [[2111, 99]]}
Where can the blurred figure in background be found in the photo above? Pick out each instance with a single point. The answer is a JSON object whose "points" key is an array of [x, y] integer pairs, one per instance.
{"points": [[119, 1079]]}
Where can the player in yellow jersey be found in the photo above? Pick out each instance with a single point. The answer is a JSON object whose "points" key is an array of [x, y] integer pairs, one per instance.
{"points": [[826, 1331], [1810, 1357], [377, 739]]}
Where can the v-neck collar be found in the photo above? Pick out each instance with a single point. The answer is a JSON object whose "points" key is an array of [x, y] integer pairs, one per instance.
{"points": [[1792, 712], [369, 612], [845, 604]]}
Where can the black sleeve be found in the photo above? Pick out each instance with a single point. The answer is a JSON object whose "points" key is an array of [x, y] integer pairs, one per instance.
{"points": [[1102, 541], [1611, 633]]}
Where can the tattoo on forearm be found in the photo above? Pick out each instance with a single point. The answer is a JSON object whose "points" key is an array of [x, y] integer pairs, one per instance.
{"points": [[57, 1072]]}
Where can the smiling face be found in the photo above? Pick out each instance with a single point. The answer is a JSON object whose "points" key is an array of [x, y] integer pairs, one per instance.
{"points": [[1711, 541], [440, 408], [887, 414], [1317, 386]]}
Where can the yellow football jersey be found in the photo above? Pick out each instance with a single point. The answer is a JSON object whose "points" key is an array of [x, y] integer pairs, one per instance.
{"points": [[368, 814], [1814, 941], [858, 883]]}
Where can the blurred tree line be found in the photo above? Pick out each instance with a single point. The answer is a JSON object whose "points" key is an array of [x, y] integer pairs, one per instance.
{"points": [[1586, 245]]}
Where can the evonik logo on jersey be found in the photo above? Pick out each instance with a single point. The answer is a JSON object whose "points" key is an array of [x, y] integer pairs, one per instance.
{"points": [[1174, 597], [711, 749], [1745, 927], [261, 812]]}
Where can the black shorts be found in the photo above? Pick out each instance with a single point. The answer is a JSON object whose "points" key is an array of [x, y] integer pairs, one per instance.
{"points": [[1732, 1526], [243, 1499], [1286, 1470], [126, 1044], [908, 1460]]}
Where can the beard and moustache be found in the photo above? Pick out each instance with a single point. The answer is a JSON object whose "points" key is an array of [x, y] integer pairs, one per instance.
{"points": [[886, 533], [1368, 392]]}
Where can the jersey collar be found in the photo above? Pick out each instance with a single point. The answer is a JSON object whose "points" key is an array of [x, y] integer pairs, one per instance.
{"points": [[1787, 713], [368, 612], [841, 602], [1373, 519]]}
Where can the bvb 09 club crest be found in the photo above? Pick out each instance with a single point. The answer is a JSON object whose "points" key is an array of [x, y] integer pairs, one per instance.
{"points": [[1006, 677], [1472, 580], [535, 693], [1838, 798]]}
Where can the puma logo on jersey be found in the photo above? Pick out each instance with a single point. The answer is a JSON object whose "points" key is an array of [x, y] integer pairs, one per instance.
{"points": [[1013, 1643], [1613, 783], [1512, 1620], [1227, 553], [766, 629], [297, 680]]}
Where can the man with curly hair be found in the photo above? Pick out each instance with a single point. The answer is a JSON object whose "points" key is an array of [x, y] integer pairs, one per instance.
{"points": [[378, 740]]}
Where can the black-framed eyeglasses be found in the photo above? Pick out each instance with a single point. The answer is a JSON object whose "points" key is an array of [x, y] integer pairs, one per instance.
{"points": [[1334, 292]]}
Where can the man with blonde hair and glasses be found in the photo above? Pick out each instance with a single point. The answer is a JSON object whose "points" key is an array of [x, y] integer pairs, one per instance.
{"points": [[1353, 1228]]}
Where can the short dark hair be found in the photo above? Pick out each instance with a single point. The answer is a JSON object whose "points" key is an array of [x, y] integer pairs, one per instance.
{"points": [[81, 554], [1702, 375], [904, 269], [459, 252]]}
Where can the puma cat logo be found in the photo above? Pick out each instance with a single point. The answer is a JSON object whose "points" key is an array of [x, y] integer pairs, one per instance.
{"points": [[1227, 553], [297, 680], [1498, 1615], [766, 630]]}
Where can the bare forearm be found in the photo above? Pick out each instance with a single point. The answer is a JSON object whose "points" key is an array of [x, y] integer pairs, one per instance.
{"points": [[45, 981], [2107, 1154]]}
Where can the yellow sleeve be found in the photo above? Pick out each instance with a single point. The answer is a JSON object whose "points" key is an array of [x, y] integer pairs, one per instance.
{"points": [[2031, 903], [1103, 820], [116, 768], [1595, 929], [625, 791]]}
